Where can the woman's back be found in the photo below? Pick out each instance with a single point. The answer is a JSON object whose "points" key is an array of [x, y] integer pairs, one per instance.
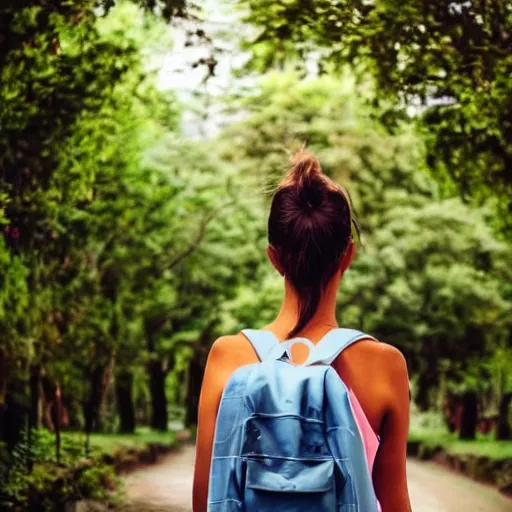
{"points": [[374, 372], [312, 242], [363, 367]]}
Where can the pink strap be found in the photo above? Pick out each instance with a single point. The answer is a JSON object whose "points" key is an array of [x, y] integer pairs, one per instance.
{"points": [[370, 438]]}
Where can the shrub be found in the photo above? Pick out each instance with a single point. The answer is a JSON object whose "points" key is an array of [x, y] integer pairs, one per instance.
{"points": [[31, 479]]}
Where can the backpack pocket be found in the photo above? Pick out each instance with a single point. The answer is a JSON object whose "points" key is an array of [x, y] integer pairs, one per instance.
{"points": [[280, 484]]}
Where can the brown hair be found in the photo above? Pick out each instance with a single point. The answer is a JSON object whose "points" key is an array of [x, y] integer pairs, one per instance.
{"points": [[310, 227]]}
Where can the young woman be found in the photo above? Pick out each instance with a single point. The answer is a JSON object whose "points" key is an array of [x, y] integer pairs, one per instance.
{"points": [[311, 246]]}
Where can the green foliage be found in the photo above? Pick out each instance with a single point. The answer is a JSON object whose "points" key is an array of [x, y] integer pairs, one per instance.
{"points": [[120, 237], [431, 277], [49, 487], [13, 302], [483, 446], [96, 482], [449, 63], [32, 480], [128, 249]]}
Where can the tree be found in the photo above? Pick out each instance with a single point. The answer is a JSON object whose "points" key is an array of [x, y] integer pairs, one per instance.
{"points": [[54, 67], [431, 277], [61, 68], [450, 62], [109, 227], [13, 303], [201, 260]]}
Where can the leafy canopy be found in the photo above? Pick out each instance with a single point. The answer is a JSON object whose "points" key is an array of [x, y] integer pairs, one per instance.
{"points": [[447, 63]]}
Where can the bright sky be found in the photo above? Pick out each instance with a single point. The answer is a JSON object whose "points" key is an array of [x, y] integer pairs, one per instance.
{"points": [[177, 73]]}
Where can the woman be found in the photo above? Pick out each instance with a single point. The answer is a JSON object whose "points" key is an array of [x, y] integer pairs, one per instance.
{"points": [[311, 246]]}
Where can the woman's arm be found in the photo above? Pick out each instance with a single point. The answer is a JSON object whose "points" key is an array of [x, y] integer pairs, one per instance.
{"points": [[218, 370], [389, 473]]}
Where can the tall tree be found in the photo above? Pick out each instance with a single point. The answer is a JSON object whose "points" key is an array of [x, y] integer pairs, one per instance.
{"points": [[447, 62], [61, 67], [431, 277]]}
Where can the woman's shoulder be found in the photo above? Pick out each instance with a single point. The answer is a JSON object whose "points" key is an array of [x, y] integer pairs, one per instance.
{"points": [[381, 353], [384, 362], [394, 361], [228, 342], [232, 348], [391, 368], [389, 354]]}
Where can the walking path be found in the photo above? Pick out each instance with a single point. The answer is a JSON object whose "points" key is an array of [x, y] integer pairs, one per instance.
{"points": [[167, 487]]}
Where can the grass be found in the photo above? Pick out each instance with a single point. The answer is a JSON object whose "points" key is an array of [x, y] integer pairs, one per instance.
{"points": [[110, 442], [495, 450], [484, 445]]}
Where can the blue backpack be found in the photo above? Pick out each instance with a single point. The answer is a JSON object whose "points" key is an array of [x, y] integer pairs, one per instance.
{"points": [[286, 437]]}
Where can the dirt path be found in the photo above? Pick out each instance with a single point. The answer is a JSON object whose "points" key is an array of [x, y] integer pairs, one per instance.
{"points": [[167, 487], [434, 489]]}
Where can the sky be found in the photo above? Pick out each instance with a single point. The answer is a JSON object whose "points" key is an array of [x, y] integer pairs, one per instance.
{"points": [[203, 116]]}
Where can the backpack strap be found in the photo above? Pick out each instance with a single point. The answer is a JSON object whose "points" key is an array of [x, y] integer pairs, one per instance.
{"points": [[262, 341], [333, 344]]}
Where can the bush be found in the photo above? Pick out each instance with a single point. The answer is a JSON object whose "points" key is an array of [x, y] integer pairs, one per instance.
{"points": [[96, 482], [31, 479]]}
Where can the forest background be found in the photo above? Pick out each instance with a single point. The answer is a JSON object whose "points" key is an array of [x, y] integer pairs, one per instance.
{"points": [[139, 146]]}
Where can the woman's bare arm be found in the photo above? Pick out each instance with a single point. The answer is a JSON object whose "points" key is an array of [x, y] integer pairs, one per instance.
{"points": [[221, 363], [389, 472]]}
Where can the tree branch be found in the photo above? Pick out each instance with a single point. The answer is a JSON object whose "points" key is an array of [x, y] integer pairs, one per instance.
{"points": [[198, 238]]}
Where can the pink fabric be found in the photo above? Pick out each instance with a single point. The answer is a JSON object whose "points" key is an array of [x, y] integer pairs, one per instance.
{"points": [[370, 438]]}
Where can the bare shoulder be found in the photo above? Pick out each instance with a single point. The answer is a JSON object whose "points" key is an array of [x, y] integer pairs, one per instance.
{"points": [[385, 362], [231, 348], [393, 367], [224, 343], [391, 357], [384, 354]]}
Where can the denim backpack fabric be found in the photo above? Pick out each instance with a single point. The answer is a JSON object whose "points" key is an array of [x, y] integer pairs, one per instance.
{"points": [[286, 437]]}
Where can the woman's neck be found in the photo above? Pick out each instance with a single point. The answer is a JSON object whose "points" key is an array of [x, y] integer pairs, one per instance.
{"points": [[322, 320]]}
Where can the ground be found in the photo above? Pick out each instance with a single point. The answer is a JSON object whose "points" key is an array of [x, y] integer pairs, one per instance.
{"points": [[167, 487]]}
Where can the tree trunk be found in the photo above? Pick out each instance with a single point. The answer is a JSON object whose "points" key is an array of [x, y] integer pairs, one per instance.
{"points": [[425, 385], [125, 407], [195, 380], [503, 430], [2, 418], [469, 418], [449, 410], [34, 419], [92, 407], [3, 394], [15, 412], [157, 373], [57, 408], [158, 399]]}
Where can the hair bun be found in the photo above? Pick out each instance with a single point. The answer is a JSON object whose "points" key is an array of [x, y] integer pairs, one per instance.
{"points": [[306, 175]]}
